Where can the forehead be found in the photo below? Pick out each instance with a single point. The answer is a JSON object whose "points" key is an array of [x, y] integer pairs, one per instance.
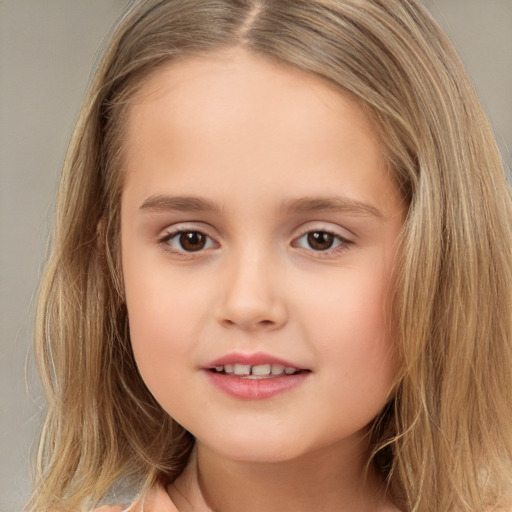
{"points": [[235, 118], [222, 85]]}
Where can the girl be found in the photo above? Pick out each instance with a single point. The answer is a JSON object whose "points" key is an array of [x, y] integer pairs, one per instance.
{"points": [[281, 275]]}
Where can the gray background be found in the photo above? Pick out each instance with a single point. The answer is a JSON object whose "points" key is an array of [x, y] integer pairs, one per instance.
{"points": [[47, 50]]}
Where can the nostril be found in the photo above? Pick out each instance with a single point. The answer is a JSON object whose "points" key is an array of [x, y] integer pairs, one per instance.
{"points": [[262, 324]]}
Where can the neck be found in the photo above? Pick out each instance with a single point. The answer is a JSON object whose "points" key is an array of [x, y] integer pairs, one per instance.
{"points": [[324, 480]]}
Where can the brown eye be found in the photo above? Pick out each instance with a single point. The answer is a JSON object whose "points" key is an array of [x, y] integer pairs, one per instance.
{"points": [[181, 241], [320, 240], [192, 241]]}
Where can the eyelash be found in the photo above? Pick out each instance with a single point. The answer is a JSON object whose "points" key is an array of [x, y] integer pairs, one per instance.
{"points": [[165, 242], [343, 243]]}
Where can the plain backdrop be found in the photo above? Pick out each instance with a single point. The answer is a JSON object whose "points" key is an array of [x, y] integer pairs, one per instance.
{"points": [[47, 51]]}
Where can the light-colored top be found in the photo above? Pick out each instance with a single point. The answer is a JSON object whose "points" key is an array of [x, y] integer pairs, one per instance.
{"points": [[183, 493], [157, 500]]}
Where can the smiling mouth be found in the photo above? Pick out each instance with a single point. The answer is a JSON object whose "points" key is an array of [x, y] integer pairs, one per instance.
{"points": [[259, 371]]}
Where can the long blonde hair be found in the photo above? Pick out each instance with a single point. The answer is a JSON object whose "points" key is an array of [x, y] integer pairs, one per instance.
{"points": [[444, 442]]}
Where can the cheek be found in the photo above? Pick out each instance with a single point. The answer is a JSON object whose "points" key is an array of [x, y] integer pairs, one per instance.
{"points": [[163, 316], [351, 328], [361, 356], [163, 330]]}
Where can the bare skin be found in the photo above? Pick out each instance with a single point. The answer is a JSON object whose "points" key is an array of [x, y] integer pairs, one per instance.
{"points": [[235, 168], [303, 485]]}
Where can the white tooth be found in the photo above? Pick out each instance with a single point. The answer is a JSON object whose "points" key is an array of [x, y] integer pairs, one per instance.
{"points": [[242, 369], [228, 368], [289, 370], [261, 369], [219, 368], [277, 369]]}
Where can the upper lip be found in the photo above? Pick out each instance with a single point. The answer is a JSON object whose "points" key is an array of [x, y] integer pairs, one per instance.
{"points": [[254, 359]]}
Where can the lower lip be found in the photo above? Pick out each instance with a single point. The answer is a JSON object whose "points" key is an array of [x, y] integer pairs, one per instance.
{"points": [[255, 389]]}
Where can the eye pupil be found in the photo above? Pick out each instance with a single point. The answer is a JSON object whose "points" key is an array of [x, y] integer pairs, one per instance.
{"points": [[320, 240], [192, 241]]}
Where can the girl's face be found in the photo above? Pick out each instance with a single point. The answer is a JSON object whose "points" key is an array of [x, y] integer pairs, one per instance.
{"points": [[259, 236]]}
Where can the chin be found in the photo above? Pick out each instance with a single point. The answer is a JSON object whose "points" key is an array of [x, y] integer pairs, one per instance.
{"points": [[255, 447]]}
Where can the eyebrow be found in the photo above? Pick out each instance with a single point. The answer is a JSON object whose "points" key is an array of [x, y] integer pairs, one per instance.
{"points": [[335, 204], [162, 203]]}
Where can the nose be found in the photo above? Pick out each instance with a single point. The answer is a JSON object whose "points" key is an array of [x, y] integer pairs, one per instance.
{"points": [[252, 296]]}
